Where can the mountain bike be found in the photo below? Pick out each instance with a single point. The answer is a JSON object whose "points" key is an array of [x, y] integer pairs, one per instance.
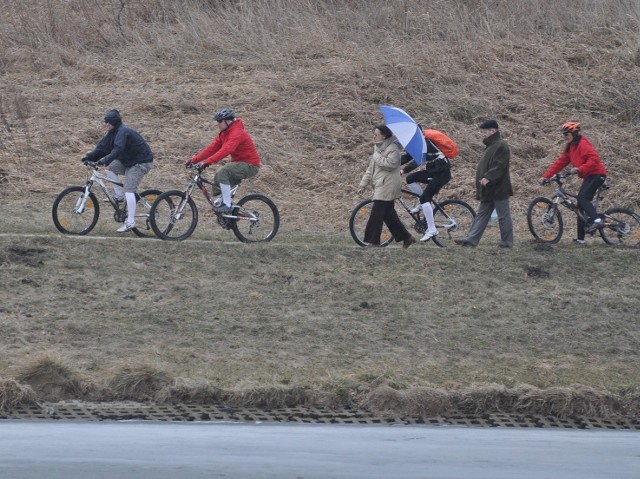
{"points": [[453, 219], [174, 214], [76, 210], [620, 226]]}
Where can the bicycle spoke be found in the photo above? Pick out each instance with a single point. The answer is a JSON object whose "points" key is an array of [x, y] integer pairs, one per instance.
{"points": [[621, 227], [544, 220], [256, 219], [74, 213]]}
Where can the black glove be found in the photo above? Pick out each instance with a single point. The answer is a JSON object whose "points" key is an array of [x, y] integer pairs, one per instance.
{"points": [[84, 158]]}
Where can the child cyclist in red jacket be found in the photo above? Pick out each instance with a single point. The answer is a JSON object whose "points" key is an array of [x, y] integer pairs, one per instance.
{"points": [[232, 140], [587, 165]]}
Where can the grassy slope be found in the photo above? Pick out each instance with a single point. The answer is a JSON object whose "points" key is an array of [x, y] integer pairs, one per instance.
{"points": [[301, 310]]}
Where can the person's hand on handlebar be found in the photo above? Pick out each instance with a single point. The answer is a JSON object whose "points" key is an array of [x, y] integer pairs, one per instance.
{"points": [[574, 171]]}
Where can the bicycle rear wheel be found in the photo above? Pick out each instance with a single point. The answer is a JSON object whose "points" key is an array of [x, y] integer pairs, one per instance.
{"points": [[70, 216], [453, 219], [257, 219], [173, 216], [544, 220], [144, 200], [621, 227]]}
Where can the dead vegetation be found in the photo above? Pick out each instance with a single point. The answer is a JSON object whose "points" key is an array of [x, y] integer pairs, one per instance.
{"points": [[307, 77], [48, 379]]}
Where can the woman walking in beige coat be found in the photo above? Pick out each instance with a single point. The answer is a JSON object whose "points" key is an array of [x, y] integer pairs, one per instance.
{"points": [[383, 176]]}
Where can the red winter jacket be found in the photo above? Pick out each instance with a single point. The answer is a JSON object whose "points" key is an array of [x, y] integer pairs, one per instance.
{"points": [[581, 155], [234, 141]]}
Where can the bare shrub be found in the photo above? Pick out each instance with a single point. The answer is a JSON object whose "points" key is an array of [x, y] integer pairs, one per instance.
{"points": [[250, 394], [14, 395], [53, 380], [485, 399], [138, 383], [572, 401], [418, 401], [631, 402]]}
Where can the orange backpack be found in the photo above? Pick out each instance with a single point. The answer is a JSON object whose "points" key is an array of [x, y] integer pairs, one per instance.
{"points": [[446, 145]]}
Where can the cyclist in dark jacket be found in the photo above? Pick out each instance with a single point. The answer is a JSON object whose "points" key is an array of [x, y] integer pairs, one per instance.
{"points": [[124, 152]]}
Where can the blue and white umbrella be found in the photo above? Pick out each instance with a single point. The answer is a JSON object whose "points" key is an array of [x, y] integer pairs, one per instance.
{"points": [[407, 131]]}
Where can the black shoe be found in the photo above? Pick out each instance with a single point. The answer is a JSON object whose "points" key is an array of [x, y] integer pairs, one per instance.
{"points": [[408, 242], [223, 209], [463, 243], [504, 245]]}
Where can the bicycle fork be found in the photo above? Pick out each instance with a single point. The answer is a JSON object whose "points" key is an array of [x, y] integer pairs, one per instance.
{"points": [[179, 210], [82, 200]]}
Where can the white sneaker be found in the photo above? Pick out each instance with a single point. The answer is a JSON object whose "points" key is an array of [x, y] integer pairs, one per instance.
{"points": [[126, 227], [416, 209], [428, 235]]}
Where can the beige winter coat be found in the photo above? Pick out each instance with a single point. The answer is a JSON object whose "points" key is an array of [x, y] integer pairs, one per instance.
{"points": [[383, 174]]}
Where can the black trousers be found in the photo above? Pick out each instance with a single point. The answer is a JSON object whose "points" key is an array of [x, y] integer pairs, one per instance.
{"points": [[384, 212], [433, 186], [590, 185]]}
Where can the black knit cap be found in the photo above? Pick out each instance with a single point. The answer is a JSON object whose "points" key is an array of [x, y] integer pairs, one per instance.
{"points": [[489, 124], [113, 117]]}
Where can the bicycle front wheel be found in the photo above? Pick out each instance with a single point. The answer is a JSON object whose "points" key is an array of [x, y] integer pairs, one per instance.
{"points": [[453, 219], [621, 227], [144, 200], [358, 223], [544, 220], [74, 213], [257, 219], [173, 216]]}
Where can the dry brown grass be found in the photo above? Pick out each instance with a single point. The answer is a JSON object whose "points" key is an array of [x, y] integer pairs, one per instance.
{"points": [[573, 401], [138, 383], [14, 394], [308, 77], [52, 379]]}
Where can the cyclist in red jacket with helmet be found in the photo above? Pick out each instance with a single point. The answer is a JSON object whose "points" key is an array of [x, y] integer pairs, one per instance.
{"points": [[586, 163], [232, 140]]}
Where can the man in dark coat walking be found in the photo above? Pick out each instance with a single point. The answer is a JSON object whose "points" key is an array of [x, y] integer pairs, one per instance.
{"points": [[493, 188]]}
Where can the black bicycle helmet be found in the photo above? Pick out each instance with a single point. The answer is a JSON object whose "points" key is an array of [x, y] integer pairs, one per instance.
{"points": [[225, 114]]}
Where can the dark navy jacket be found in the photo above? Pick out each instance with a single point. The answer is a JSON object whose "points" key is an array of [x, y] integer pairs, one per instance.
{"points": [[124, 144]]}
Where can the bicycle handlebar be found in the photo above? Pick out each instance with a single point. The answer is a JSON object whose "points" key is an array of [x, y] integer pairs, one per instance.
{"points": [[194, 166], [557, 178], [91, 164]]}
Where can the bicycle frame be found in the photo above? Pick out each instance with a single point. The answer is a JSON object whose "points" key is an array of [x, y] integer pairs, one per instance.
{"points": [[563, 197], [451, 223], [199, 181], [99, 178]]}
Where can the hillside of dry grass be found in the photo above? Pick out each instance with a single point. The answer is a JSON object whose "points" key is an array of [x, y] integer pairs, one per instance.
{"points": [[307, 77]]}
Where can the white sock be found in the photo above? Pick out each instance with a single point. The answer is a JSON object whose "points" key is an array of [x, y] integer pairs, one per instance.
{"points": [[116, 189], [226, 193], [131, 207], [415, 188], [428, 215]]}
